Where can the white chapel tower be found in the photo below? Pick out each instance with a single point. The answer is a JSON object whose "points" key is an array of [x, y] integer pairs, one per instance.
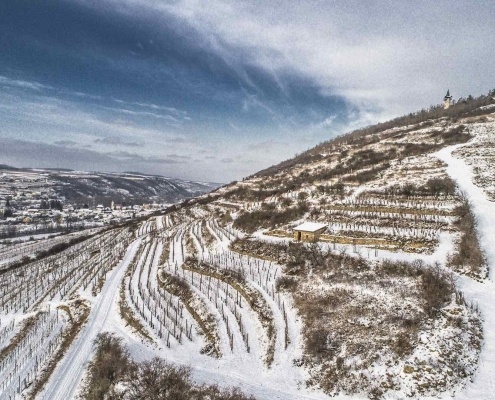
{"points": [[447, 100]]}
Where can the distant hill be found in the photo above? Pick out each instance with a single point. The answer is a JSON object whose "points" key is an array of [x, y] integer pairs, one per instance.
{"points": [[129, 187], [8, 167], [55, 169], [121, 187]]}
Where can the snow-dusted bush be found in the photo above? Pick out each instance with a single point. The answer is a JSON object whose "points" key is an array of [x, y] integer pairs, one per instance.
{"points": [[113, 375], [469, 257]]}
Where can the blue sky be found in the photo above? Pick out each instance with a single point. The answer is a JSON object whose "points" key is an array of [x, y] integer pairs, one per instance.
{"points": [[220, 89]]}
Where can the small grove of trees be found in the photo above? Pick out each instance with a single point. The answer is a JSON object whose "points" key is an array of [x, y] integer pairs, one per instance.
{"points": [[435, 187], [7, 212], [52, 204], [113, 375], [110, 363]]}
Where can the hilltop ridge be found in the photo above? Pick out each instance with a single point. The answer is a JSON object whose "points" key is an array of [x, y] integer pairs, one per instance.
{"points": [[386, 200], [462, 108]]}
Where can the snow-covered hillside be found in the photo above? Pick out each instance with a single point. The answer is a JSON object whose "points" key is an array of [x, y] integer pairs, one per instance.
{"points": [[83, 187], [394, 300]]}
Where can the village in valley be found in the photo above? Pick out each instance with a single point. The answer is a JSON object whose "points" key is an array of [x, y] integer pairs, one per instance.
{"points": [[35, 202]]}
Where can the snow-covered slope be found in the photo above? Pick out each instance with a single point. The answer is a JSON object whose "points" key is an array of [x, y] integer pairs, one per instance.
{"points": [[395, 300], [80, 186]]}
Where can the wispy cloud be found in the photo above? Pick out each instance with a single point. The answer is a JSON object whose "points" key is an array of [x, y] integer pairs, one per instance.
{"points": [[65, 143], [73, 120], [152, 106], [117, 140], [5, 81], [170, 120], [179, 157], [134, 157]]}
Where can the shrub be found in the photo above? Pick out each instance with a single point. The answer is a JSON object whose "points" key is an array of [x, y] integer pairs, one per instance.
{"points": [[252, 221], [286, 202], [469, 252], [176, 285], [403, 344], [401, 268], [433, 187], [320, 345], [436, 289], [286, 283], [438, 186], [109, 365], [113, 376], [156, 379], [268, 206]]}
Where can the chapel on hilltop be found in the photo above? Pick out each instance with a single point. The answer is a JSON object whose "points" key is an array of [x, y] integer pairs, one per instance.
{"points": [[447, 100]]}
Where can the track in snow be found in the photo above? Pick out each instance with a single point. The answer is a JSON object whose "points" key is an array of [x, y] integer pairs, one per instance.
{"points": [[64, 383], [483, 385]]}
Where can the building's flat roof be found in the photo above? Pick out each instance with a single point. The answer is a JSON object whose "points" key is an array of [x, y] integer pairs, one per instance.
{"points": [[310, 227]]}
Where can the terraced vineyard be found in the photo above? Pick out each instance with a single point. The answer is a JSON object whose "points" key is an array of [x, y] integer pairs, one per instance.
{"points": [[186, 288], [40, 311]]}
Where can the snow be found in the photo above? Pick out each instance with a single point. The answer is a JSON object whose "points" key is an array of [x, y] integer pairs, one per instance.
{"points": [[310, 227], [481, 293], [64, 382], [238, 367], [247, 370]]}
